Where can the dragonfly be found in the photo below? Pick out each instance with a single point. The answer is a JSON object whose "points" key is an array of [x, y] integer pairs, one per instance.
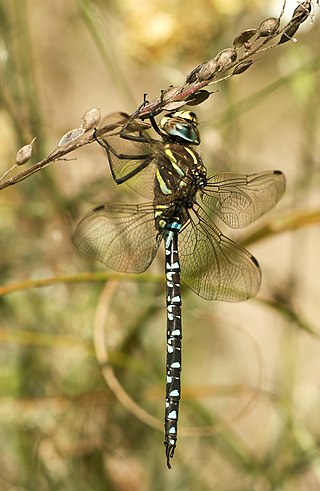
{"points": [[183, 203]]}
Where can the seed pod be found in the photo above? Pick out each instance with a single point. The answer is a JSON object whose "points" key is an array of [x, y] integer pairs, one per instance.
{"points": [[24, 154], [289, 32], [70, 136], [301, 12], [207, 70], [90, 119], [204, 71], [225, 58], [268, 27], [244, 37], [242, 67], [192, 76], [197, 98]]}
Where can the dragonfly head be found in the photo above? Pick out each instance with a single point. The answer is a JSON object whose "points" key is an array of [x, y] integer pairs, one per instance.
{"points": [[181, 126]]}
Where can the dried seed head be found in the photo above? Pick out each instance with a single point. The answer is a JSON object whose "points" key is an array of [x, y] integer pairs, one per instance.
{"points": [[207, 70], [168, 95], [90, 119], [268, 27], [197, 98], [24, 154], [172, 106], [192, 76], [289, 32], [172, 91], [244, 37], [204, 71], [70, 136], [301, 12], [242, 67], [225, 58]]}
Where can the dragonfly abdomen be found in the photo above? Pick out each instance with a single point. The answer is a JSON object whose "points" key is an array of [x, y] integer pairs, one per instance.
{"points": [[174, 339]]}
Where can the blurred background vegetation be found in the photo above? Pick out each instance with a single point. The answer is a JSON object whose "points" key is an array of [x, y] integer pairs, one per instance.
{"points": [[251, 370]]}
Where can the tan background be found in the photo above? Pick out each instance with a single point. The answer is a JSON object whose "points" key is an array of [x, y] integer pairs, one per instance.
{"points": [[251, 370]]}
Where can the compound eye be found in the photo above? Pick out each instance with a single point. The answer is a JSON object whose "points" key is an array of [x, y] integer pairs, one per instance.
{"points": [[181, 125], [184, 131]]}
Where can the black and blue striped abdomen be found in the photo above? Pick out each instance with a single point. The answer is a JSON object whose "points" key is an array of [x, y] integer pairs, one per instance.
{"points": [[174, 338]]}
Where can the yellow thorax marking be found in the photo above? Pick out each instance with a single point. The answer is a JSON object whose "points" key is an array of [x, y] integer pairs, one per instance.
{"points": [[173, 161], [164, 188], [192, 153]]}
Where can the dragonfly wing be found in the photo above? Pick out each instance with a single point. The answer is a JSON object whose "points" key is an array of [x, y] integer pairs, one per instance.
{"points": [[123, 237], [240, 199], [215, 267], [131, 158]]}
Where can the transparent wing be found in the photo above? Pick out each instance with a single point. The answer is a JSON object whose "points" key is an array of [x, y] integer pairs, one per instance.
{"points": [[123, 237], [240, 199], [131, 154], [213, 266]]}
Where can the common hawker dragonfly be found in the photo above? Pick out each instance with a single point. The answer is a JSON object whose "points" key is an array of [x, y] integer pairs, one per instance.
{"points": [[169, 172]]}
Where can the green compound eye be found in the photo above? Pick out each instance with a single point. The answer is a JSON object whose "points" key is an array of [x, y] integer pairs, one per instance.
{"points": [[181, 125]]}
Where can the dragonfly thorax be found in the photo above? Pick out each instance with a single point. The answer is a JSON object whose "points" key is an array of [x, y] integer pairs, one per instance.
{"points": [[178, 179], [179, 175]]}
